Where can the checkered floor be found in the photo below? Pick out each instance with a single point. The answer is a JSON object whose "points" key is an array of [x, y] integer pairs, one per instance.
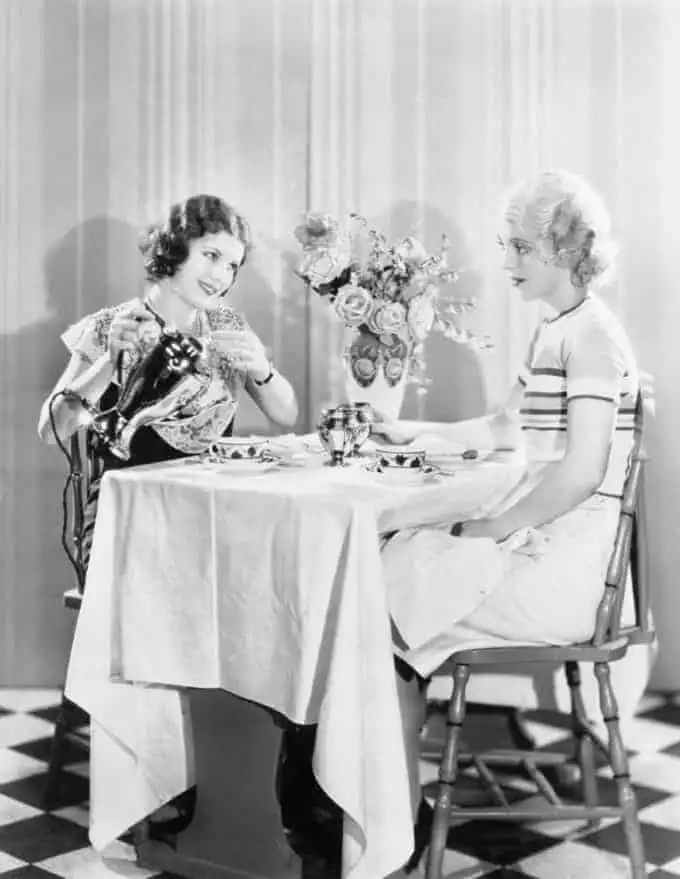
{"points": [[35, 845]]}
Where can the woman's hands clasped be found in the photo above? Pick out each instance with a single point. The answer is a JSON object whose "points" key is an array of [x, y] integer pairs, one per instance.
{"points": [[244, 352]]}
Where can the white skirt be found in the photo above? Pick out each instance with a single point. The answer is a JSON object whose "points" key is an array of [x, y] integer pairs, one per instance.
{"points": [[543, 586]]}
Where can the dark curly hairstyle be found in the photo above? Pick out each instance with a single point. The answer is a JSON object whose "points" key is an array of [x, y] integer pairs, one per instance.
{"points": [[165, 246]]}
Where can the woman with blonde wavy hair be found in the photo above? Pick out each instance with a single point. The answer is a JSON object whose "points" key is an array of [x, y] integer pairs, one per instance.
{"points": [[574, 400]]}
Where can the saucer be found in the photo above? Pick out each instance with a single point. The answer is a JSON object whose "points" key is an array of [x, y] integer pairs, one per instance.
{"points": [[404, 476], [243, 467]]}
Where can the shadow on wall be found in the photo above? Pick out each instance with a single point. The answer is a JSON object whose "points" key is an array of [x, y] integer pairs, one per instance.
{"points": [[457, 389], [32, 473]]}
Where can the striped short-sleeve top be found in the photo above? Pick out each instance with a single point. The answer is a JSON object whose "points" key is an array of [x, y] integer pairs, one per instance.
{"points": [[583, 352]]}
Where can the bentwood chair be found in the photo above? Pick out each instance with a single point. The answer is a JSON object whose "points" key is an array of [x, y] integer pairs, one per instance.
{"points": [[609, 643], [76, 532]]}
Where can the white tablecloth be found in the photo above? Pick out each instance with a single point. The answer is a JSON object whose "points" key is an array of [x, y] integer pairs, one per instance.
{"points": [[269, 587]]}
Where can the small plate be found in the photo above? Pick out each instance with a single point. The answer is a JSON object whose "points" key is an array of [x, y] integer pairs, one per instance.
{"points": [[241, 466]]}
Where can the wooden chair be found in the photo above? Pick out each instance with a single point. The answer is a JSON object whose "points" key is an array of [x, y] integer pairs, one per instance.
{"points": [[608, 644], [84, 470]]}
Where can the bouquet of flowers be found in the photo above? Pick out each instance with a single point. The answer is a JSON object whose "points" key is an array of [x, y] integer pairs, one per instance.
{"points": [[390, 291]]}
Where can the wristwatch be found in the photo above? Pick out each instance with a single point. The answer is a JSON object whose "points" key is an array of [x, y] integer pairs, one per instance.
{"points": [[265, 381]]}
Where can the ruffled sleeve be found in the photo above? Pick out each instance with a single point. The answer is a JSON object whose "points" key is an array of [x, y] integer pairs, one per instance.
{"points": [[89, 336]]}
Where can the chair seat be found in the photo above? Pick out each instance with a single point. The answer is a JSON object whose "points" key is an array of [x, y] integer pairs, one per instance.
{"points": [[607, 652], [635, 635]]}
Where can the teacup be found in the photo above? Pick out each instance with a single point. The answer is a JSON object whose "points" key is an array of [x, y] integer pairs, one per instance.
{"points": [[401, 460], [239, 448]]}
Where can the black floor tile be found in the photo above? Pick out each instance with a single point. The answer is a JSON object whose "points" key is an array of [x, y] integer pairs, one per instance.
{"points": [[50, 713], [29, 872], [673, 750], [669, 714], [73, 752], [646, 796], [70, 790], [550, 718], [661, 845], [506, 873], [42, 837], [566, 746], [501, 843]]}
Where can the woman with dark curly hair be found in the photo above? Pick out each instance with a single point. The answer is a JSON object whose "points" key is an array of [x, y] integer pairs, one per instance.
{"points": [[192, 260]]}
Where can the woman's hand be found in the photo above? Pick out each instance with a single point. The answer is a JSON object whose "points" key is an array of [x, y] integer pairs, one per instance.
{"points": [[126, 329], [244, 351], [386, 427]]}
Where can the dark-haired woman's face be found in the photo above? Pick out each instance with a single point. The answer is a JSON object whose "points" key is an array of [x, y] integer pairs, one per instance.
{"points": [[209, 271]]}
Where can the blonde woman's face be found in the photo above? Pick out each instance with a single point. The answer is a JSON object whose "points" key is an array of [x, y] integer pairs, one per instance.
{"points": [[529, 270], [209, 271]]}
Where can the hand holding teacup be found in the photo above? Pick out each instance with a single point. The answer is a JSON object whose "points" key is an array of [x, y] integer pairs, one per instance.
{"points": [[244, 351]]}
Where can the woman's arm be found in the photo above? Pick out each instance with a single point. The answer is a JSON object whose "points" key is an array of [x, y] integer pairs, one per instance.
{"points": [[275, 397], [88, 375], [273, 394], [84, 379], [496, 430], [567, 483]]}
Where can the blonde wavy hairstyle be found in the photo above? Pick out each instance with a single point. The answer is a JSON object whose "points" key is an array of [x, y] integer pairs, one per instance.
{"points": [[567, 221]]}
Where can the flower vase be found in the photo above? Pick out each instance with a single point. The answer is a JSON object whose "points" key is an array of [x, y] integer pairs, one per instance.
{"points": [[377, 369]]}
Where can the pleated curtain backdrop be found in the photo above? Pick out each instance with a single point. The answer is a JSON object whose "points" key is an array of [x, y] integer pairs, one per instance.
{"points": [[416, 113]]}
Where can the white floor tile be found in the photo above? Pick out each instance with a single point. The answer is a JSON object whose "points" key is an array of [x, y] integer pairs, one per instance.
{"points": [[79, 814], [28, 699], [86, 863], [7, 863], [82, 769], [574, 860], [663, 814], [428, 772], [649, 702], [12, 810], [546, 735], [660, 771], [18, 728], [649, 736], [14, 766], [460, 866], [673, 867]]}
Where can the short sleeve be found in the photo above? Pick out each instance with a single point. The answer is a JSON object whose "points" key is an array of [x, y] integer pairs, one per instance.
{"points": [[595, 365], [89, 337]]}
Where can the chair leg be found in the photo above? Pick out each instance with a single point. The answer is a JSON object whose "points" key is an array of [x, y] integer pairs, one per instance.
{"points": [[56, 761], [447, 773], [619, 761], [585, 751]]}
